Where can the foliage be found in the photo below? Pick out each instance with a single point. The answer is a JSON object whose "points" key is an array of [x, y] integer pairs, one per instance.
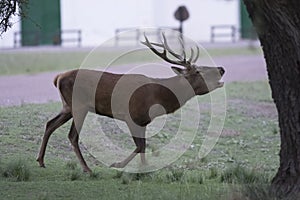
{"points": [[240, 175], [257, 191], [17, 170], [71, 165], [8, 9]]}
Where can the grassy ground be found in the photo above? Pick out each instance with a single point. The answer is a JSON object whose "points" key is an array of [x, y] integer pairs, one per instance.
{"points": [[246, 154], [24, 62]]}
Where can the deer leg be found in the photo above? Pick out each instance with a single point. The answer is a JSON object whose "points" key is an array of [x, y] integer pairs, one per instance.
{"points": [[74, 138], [141, 144], [138, 135], [51, 126]]}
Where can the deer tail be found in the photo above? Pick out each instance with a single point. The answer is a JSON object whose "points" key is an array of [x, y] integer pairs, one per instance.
{"points": [[55, 81]]}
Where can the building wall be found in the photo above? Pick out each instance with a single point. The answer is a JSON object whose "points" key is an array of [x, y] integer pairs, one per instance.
{"points": [[203, 14], [99, 19], [7, 38]]}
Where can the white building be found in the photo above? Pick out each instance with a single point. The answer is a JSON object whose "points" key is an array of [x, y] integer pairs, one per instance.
{"points": [[98, 20]]}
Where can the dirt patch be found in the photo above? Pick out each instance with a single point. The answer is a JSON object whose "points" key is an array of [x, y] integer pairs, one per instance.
{"points": [[229, 133], [254, 109], [267, 110]]}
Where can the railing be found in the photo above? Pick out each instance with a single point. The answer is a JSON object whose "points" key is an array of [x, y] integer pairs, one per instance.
{"points": [[137, 34], [71, 36], [58, 38], [223, 31]]}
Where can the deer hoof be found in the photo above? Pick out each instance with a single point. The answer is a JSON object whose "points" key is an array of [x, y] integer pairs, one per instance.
{"points": [[87, 170], [116, 165], [41, 163]]}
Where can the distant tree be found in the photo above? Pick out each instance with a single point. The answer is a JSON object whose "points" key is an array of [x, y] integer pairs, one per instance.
{"points": [[8, 9], [277, 23]]}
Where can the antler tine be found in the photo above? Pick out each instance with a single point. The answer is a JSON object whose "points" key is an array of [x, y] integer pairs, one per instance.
{"points": [[165, 43], [181, 59], [163, 54], [148, 44], [157, 44], [192, 55], [197, 55], [182, 47]]}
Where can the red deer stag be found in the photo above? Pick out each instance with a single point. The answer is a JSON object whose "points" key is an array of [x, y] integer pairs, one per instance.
{"points": [[133, 107]]}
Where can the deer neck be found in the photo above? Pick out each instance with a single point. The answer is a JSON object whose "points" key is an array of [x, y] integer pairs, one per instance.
{"points": [[181, 91]]}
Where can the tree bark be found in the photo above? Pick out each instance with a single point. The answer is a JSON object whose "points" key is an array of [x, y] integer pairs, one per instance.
{"points": [[277, 23]]}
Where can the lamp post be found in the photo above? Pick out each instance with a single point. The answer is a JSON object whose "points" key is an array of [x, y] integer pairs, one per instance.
{"points": [[181, 14]]}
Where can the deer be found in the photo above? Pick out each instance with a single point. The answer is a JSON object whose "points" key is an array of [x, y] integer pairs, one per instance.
{"points": [[136, 106]]}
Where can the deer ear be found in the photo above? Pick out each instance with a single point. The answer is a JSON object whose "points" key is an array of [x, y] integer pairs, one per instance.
{"points": [[178, 70]]}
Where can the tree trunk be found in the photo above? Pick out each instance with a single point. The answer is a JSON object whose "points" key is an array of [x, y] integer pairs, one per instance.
{"points": [[277, 23]]}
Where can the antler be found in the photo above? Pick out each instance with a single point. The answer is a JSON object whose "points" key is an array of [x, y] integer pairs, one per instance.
{"points": [[166, 48]]}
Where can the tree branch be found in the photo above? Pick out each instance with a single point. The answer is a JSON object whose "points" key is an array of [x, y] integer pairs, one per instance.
{"points": [[8, 9]]}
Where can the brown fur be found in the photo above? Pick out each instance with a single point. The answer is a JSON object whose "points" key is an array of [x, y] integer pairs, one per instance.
{"points": [[127, 97]]}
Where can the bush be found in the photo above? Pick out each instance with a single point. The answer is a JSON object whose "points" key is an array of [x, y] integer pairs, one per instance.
{"points": [[75, 175], [257, 191], [17, 170], [94, 175], [213, 173], [194, 177], [253, 192], [72, 165], [118, 174], [128, 177], [175, 175], [241, 175]]}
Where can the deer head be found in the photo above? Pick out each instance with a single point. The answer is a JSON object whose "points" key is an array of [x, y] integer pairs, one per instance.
{"points": [[203, 79]]}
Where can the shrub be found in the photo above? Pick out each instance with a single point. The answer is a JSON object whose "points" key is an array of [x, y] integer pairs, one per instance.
{"points": [[128, 177], [118, 174], [94, 175], [175, 175], [241, 175], [194, 177], [71, 165], [17, 170], [257, 191], [75, 175], [213, 173], [253, 191]]}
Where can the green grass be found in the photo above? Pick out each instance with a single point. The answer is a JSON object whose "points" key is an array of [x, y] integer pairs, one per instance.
{"points": [[17, 170], [246, 154], [235, 51], [35, 61], [46, 61], [240, 175]]}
